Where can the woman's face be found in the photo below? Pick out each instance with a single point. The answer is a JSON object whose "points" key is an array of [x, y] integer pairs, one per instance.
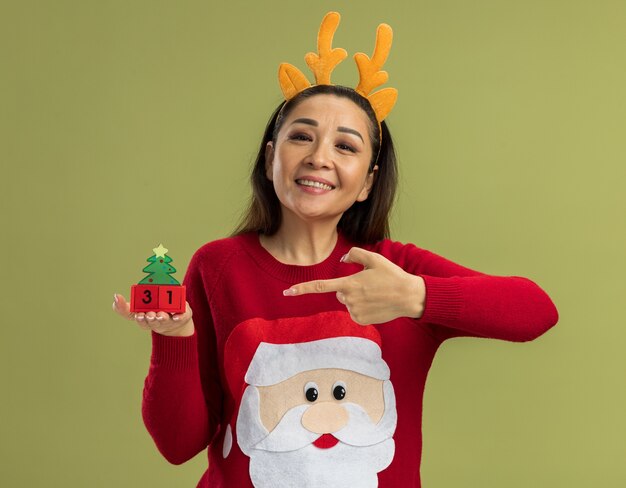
{"points": [[319, 164]]}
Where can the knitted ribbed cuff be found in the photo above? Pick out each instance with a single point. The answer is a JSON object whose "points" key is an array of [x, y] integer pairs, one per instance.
{"points": [[175, 353], [443, 300]]}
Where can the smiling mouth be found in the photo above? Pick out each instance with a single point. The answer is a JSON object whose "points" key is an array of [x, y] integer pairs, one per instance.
{"points": [[315, 184], [325, 441]]}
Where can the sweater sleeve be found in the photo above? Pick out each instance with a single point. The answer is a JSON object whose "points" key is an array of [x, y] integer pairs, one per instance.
{"points": [[182, 396], [464, 302]]}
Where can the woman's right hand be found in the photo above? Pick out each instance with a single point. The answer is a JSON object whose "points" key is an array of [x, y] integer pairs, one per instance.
{"points": [[174, 325]]}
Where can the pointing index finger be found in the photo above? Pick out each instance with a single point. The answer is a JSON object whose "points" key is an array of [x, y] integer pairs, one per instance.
{"points": [[317, 286]]}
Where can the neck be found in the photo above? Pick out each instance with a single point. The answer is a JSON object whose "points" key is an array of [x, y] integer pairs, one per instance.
{"points": [[302, 243]]}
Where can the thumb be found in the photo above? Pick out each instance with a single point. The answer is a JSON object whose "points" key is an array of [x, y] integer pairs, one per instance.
{"points": [[361, 256]]}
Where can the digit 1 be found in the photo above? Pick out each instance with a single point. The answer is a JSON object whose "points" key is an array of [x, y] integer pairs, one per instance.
{"points": [[169, 292]]}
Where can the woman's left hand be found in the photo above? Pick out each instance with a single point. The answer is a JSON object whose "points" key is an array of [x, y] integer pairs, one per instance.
{"points": [[381, 292]]}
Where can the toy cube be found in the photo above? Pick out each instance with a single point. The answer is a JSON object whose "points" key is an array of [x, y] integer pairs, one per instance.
{"points": [[144, 298], [172, 298]]}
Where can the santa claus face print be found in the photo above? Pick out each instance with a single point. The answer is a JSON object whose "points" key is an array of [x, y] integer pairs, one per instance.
{"points": [[320, 162], [330, 427]]}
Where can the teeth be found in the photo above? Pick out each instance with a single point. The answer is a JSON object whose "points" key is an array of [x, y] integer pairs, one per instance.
{"points": [[314, 184]]}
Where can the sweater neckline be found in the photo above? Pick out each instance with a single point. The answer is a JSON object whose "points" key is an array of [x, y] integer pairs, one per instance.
{"points": [[294, 273]]}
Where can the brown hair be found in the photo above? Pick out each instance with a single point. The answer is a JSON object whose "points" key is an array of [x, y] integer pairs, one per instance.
{"points": [[364, 222]]}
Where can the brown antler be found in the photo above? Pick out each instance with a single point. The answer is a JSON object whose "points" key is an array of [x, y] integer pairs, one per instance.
{"points": [[323, 63], [371, 75], [369, 69], [291, 79]]}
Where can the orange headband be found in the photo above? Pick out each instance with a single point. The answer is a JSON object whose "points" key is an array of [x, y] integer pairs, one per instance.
{"points": [[292, 81]]}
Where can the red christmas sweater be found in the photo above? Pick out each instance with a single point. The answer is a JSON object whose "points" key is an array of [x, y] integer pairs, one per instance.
{"points": [[242, 384]]}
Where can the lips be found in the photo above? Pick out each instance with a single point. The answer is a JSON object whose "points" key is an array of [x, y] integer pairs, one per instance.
{"points": [[326, 441], [315, 183]]}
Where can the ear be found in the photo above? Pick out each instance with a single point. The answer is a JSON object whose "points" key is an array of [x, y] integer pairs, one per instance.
{"points": [[369, 182], [269, 159]]}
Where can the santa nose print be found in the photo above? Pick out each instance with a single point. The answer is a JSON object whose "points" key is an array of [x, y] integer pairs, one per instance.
{"points": [[324, 416]]}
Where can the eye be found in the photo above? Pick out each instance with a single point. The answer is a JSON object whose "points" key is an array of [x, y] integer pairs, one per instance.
{"points": [[339, 390], [346, 147], [310, 391], [299, 137]]}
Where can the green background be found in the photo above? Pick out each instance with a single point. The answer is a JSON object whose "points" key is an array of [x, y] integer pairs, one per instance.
{"points": [[124, 124]]}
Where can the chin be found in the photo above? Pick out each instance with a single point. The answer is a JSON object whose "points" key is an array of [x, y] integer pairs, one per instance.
{"points": [[314, 214], [317, 213]]}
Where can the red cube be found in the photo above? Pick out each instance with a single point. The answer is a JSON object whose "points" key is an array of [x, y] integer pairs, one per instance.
{"points": [[144, 298], [172, 299]]}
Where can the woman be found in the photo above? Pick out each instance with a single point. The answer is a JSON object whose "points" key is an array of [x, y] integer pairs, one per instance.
{"points": [[312, 333]]}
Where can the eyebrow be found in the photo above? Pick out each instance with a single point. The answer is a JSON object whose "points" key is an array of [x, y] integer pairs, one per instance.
{"points": [[314, 123], [351, 131]]}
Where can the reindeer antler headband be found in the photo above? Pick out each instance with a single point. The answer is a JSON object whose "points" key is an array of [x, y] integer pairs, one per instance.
{"points": [[292, 81]]}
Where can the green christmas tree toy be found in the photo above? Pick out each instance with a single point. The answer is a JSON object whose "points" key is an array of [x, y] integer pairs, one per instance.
{"points": [[159, 291]]}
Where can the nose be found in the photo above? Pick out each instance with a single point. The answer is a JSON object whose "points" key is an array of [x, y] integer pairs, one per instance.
{"points": [[325, 418], [320, 156]]}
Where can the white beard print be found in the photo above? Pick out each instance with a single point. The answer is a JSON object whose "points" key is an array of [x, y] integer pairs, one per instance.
{"points": [[286, 457]]}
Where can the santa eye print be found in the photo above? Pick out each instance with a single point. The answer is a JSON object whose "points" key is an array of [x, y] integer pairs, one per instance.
{"points": [[339, 390], [311, 391]]}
